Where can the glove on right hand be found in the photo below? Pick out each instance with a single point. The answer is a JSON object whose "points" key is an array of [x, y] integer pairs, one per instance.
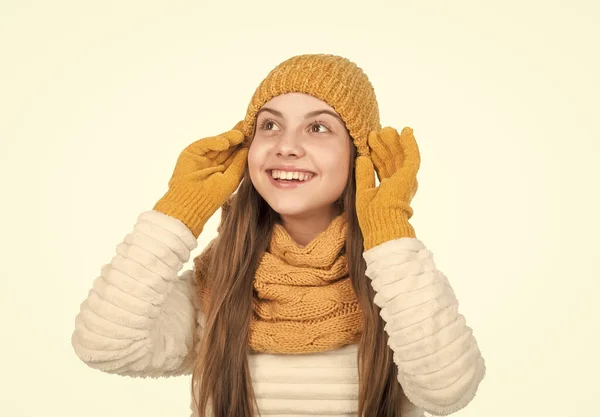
{"points": [[207, 172]]}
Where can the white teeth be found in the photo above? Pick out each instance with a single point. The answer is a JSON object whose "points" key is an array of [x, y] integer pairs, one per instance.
{"points": [[301, 176]]}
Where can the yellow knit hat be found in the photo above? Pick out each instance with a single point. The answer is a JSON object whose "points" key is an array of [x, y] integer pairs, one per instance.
{"points": [[333, 79]]}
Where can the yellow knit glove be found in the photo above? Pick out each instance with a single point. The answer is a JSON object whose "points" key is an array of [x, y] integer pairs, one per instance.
{"points": [[207, 172], [383, 212]]}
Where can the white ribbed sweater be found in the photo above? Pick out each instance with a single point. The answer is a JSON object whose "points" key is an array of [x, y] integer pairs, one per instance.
{"points": [[142, 314]]}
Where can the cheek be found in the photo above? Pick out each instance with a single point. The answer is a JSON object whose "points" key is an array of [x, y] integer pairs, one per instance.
{"points": [[256, 157], [256, 162], [336, 159], [253, 159], [334, 164], [341, 174]]}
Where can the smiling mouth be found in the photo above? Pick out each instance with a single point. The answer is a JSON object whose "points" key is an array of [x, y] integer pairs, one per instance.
{"points": [[290, 177]]}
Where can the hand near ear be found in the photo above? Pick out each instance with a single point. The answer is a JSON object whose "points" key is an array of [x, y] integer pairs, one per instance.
{"points": [[383, 212], [207, 172]]}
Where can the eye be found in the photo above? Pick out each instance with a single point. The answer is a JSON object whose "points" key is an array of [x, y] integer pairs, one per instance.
{"points": [[318, 127], [268, 124]]}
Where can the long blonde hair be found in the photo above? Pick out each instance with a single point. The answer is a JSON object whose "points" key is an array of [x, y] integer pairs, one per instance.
{"points": [[221, 380]]}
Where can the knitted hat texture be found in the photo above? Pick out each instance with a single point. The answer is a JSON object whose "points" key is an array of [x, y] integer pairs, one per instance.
{"points": [[336, 80]]}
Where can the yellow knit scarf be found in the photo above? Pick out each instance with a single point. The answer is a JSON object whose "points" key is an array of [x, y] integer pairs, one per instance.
{"points": [[304, 298]]}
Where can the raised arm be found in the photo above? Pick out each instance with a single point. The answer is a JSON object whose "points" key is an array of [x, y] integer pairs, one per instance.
{"points": [[439, 362], [140, 317]]}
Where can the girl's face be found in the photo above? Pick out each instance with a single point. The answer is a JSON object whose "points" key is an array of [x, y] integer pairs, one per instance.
{"points": [[302, 139]]}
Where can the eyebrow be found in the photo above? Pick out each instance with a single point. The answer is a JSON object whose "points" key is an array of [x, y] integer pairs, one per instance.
{"points": [[308, 115]]}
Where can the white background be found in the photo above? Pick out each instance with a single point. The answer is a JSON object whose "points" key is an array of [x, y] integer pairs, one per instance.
{"points": [[97, 99]]}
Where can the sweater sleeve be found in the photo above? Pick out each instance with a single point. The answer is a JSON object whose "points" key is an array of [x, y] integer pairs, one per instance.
{"points": [[439, 362], [141, 316]]}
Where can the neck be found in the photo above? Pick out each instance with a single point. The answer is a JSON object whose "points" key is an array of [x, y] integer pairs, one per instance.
{"points": [[305, 227]]}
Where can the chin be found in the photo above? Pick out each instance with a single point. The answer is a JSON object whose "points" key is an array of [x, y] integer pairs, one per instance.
{"points": [[289, 208]]}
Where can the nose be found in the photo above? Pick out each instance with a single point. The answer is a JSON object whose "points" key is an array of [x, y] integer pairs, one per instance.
{"points": [[289, 145]]}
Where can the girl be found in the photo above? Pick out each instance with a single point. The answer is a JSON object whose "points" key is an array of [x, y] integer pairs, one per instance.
{"points": [[315, 298]]}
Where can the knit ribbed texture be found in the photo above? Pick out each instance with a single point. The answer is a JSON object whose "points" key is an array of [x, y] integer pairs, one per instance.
{"points": [[380, 225], [333, 79], [188, 205], [141, 318], [304, 300]]}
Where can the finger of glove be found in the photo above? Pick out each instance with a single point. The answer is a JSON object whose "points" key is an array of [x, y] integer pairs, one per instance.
{"points": [[365, 173], [237, 164], [213, 155], [205, 145], [384, 159], [234, 137], [196, 177], [402, 185], [220, 157], [412, 156], [393, 141], [190, 162], [385, 141], [378, 162], [380, 167]]}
